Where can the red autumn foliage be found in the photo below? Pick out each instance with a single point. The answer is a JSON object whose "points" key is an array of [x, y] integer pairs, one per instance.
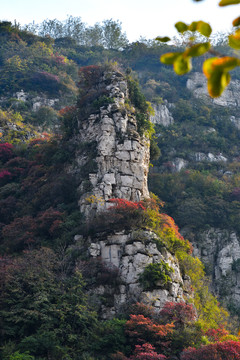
{"points": [[169, 223], [37, 141], [178, 313], [18, 166], [58, 59], [67, 110], [5, 177], [215, 335], [21, 232], [6, 152], [89, 74], [226, 350], [142, 329], [146, 352], [126, 205], [5, 174], [46, 76], [49, 221], [123, 212]]}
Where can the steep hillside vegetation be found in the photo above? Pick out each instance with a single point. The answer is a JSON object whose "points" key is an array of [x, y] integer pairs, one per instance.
{"points": [[52, 276]]}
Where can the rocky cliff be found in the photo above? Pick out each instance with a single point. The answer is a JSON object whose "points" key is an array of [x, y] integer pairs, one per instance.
{"points": [[198, 144], [220, 252], [112, 162], [162, 114], [197, 83]]}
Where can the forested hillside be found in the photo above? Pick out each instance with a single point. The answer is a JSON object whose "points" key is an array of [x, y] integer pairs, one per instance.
{"points": [[49, 93]]}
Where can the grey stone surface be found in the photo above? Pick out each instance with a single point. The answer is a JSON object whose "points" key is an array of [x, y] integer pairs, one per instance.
{"points": [[131, 252], [220, 252], [197, 83], [122, 156], [121, 168], [162, 115]]}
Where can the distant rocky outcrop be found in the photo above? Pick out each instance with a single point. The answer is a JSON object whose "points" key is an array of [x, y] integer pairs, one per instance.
{"points": [[209, 157], [162, 114], [197, 83], [220, 252]]}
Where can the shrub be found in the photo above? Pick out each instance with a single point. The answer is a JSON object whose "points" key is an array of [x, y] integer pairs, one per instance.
{"points": [[146, 352], [21, 356], [6, 152], [156, 274], [178, 313], [89, 75], [102, 101], [227, 350]]}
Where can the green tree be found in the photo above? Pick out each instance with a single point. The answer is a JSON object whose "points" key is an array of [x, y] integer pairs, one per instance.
{"points": [[41, 311], [114, 38]]}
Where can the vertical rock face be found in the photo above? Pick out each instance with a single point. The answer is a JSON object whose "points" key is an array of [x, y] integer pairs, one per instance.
{"points": [[162, 115], [130, 252], [220, 252], [197, 83], [119, 154], [113, 162]]}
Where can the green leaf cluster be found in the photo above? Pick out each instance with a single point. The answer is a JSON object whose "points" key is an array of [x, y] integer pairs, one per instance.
{"points": [[142, 108], [155, 275]]}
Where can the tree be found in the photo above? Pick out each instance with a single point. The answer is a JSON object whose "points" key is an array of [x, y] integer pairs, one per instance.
{"points": [[216, 69], [146, 352], [94, 35], [114, 39], [42, 312], [53, 28], [141, 329]]}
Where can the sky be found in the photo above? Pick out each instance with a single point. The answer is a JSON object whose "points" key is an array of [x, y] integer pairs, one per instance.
{"points": [[146, 18]]}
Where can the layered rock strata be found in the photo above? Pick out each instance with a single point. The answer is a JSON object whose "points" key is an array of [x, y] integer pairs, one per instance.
{"points": [[197, 83], [120, 156], [219, 250], [130, 252], [113, 162], [162, 114]]}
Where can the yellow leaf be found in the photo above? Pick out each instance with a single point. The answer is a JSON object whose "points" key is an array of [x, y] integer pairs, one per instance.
{"points": [[198, 49], [218, 82], [234, 40], [229, 2], [217, 72], [214, 64], [204, 28], [181, 26], [163, 39], [182, 65], [236, 22], [208, 67], [169, 58], [226, 63]]}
